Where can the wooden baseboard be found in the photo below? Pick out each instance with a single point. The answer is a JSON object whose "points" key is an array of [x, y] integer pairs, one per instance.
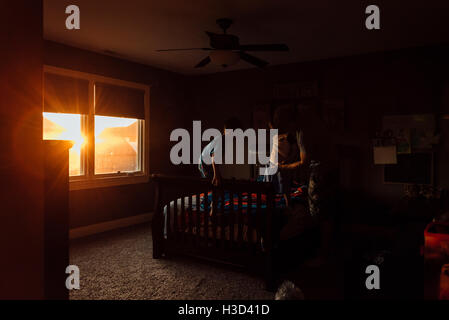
{"points": [[109, 225]]}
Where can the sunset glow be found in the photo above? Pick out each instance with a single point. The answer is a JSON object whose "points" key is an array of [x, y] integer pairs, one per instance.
{"points": [[64, 126], [116, 144], [116, 141]]}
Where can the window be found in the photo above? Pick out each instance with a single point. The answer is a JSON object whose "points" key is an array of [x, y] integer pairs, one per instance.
{"points": [[64, 126], [117, 143], [105, 118]]}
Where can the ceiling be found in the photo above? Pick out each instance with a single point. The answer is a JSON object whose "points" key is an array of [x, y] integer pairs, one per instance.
{"points": [[317, 29]]}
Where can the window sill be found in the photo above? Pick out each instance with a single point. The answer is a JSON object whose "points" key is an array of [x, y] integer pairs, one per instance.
{"points": [[103, 182]]}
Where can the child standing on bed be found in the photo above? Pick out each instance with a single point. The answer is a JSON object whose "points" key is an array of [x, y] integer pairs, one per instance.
{"points": [[212, 170]]}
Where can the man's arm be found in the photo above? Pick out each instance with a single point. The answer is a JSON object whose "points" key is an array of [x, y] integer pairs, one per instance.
{"points": [[302, 155]]}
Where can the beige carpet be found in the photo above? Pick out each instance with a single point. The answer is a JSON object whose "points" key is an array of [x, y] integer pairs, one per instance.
{"points": [[119, 265]]}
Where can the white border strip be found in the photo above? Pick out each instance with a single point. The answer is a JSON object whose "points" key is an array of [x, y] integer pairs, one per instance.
{"points": [[109, 225]]}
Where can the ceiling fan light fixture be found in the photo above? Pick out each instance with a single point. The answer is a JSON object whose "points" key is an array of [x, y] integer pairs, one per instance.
{"points": [[225, 49], [224, 58]]}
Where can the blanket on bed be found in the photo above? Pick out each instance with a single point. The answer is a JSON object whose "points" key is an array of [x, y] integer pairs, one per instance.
{"points": [[197, 209], [296, 195]]}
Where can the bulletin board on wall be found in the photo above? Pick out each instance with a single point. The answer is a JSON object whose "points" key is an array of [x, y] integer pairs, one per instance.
{"points": [[414, 133]]}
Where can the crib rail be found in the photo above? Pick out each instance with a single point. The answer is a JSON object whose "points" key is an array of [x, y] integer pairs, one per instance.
{"points": [[208, 231]]}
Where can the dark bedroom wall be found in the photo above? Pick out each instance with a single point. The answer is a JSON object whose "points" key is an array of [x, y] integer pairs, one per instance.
{"points": [[21, 160], [401, 82], [443, 151], [168, 110]]}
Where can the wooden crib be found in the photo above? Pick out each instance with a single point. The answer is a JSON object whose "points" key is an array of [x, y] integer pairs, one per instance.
{"points": [[244, 238]]}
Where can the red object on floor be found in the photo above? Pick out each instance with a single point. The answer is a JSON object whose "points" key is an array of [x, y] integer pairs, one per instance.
{"points": [[444, 282], [436, 240]]}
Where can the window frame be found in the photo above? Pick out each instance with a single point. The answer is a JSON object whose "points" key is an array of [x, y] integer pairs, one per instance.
{"points": [[89, 179]]}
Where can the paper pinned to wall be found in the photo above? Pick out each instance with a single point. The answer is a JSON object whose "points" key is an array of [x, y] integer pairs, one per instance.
{"points": [[413, 132], [385, 155]]}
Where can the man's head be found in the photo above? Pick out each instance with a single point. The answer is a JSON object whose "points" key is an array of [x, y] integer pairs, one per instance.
{"points": [[283, 118]]}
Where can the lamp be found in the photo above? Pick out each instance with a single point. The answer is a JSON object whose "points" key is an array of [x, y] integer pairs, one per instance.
{"points": [[224, 58]]}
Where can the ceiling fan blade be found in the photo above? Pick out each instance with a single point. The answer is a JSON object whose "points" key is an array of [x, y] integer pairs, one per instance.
{"points": [[203, 62], [264, 47], [253, 60], [161, 50]]}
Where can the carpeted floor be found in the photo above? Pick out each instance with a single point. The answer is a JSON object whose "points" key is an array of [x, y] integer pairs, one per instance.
{"points": [[119, 265]]}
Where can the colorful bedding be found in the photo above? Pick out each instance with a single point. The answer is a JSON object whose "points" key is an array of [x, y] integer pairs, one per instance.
{"points": [[296, 196]]}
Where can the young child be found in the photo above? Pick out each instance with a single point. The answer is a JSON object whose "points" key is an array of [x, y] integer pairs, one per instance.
{"points": [[212, 170]]}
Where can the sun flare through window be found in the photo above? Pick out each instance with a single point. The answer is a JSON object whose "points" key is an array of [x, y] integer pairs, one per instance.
{"points": [[106, 121], [117, 145], [63, 126]]}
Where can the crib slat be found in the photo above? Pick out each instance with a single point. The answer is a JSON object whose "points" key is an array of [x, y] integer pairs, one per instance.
{"points": [[240, 221], [249, 216], [168, 225], [214, 215], [258, 218], [183, 218], [175, 220], [190, 233], [268, 222], [198, 219], [206, 217], [231, 220], [222, 220], [268, 240]]}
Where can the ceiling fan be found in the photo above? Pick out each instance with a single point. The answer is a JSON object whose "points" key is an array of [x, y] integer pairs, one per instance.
{"points": [[225, 49]]}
